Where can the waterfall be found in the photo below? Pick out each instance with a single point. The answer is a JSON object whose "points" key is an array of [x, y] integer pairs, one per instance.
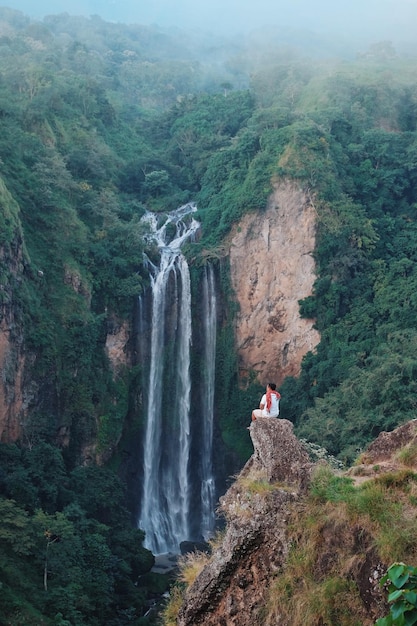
{"points": [[165, 503], [209, 329]]}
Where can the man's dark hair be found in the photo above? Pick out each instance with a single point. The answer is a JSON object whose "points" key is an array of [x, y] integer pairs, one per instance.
{"points": [[272, 386]]}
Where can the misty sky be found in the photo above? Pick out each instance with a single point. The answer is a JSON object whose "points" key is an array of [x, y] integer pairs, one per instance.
{"points": [[377, 19]]}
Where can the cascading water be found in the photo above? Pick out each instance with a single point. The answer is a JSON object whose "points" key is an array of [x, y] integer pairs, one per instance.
{"points": [[207, 478], [165, 503]]}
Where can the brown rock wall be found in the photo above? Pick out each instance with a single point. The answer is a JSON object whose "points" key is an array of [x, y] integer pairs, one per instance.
{"points": [[272, 268], [12, 360], [11, 394], [117, 345]]}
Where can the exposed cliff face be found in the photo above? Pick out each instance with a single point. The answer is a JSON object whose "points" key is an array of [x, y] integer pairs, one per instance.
{"points": [[117, 340], [12, 359], [336, 551], [12, 363], [272, 268]]}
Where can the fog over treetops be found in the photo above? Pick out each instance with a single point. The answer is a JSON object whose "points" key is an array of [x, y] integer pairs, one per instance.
{"points": [[361, 20]]}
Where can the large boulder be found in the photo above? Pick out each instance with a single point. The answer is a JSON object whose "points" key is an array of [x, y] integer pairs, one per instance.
{"points": [[387, 445], [278, 452]]}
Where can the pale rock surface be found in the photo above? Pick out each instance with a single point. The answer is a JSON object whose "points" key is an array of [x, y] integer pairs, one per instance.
{"points": [[116, 345], [272, 268], [278, 453], [384, 454], [388, 443]]}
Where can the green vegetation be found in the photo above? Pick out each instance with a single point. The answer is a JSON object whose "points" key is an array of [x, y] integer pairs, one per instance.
{"points": [[189, 566], [67, 547], [92, 136], [402, 595], [334, 535], [327, 590], [103, 121]]}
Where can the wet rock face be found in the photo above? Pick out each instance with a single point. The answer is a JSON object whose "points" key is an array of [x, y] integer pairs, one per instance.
{"points": [[272, 268]]}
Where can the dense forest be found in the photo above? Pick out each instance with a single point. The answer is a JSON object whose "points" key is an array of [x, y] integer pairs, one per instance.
{"points": [[103, 121]]}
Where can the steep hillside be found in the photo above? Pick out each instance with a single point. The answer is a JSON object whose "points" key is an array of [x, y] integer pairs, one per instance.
{"points": [[303, 544], [13, 394], [92, 137]]}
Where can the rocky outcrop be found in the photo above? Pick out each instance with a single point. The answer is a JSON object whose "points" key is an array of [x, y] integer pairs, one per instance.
{"points": [[232, 588], [278, 454], [117, 340], [272, 268], [390, 452], [388, 443], [268, 509]]}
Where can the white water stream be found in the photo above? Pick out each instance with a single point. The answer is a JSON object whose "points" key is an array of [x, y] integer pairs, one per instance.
{"points": [[210, 328], [165, 503]]}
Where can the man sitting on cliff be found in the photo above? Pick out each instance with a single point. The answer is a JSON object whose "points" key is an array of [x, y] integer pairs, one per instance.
{"points": [[269, 405]]}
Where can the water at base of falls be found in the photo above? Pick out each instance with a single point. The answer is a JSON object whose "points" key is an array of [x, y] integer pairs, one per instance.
{"points": [[166, 499]]}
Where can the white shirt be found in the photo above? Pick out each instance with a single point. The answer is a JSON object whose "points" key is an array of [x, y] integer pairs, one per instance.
{"points": [[274, 410]]}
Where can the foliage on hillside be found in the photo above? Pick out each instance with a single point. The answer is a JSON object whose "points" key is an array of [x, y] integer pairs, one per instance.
{"points": [[67, 552], [92, 136], [87, 141], [347, 134], [318, 584], [340, 538], [362, 377]]}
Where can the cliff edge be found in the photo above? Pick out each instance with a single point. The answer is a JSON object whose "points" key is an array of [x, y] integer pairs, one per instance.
{"points": [[234, 584], [304, 544]]}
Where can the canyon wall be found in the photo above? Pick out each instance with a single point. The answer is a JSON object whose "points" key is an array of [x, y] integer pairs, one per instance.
{"points": [[272, 268], [12, 358], [12, 362]]}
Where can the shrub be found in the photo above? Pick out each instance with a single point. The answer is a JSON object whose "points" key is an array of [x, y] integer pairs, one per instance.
{"points": [[401, 583]]}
